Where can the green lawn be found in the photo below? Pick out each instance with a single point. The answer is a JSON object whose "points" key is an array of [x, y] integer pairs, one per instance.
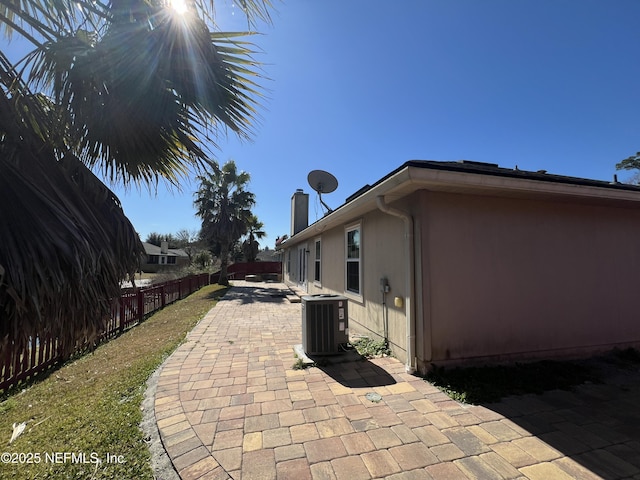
{"points": [[89, 409]]}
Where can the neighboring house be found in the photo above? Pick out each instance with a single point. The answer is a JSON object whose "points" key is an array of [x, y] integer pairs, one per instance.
{"points": [[162, 258], [466, 261]]}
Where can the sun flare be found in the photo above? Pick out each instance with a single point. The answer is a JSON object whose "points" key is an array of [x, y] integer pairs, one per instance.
{"points": [[179, 6]]}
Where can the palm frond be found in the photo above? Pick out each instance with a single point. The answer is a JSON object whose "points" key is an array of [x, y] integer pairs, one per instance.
{"points": [[61, 280], [140, 101], [123, 88], [66, 243], [45, 19]]}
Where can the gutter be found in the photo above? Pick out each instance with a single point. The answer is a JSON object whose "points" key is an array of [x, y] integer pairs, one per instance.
{"points": [[410, 365]]}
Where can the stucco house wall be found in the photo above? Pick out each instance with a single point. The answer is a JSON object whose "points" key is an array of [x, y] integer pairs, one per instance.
{"points": [[506, 264], [528, 276], [382, 257]]}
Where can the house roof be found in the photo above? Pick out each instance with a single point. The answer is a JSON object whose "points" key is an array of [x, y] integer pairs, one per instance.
{"points": [[470, 166], [151, 249], [465, 176]]}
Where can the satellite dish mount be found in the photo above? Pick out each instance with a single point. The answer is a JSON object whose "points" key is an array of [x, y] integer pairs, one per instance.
{"points": [[322, 182]]}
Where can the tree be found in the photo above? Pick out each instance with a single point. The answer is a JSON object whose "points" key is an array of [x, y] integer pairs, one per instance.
{"points": [[250, 246], [126, 88], [224, 204], [185, 237], [631, 163], [188, 241], [202, 259], [155, 238]]}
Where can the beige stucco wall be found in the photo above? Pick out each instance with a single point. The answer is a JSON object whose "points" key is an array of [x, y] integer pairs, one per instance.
{"points": [[514, 277], [383, 256]]}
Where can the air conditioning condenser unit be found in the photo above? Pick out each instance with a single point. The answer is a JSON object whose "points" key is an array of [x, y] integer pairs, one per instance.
{"points": [[325, 324]]}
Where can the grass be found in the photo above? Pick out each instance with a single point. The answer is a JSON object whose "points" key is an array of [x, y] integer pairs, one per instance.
{"points": [[299, 364], [369, 348], [92, 404]]}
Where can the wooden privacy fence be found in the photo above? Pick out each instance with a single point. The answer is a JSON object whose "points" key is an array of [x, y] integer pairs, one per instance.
{"points": [[238, 271], [131, 308]]}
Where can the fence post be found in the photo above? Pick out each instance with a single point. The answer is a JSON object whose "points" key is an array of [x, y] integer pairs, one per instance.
{"points": [[123, 315], [140, 294], [34, 343], [6, 370]]}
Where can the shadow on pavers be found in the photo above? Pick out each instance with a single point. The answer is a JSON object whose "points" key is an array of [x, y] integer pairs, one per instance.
{"points": [[348, 368], [597, 425], [258, 293], [358, 374]]}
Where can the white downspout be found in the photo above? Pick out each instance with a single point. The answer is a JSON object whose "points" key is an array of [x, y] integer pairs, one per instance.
{"points": [[410, 365]]}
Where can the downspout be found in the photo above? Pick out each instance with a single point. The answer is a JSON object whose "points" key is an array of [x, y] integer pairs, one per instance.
{"points": [[410, 366]]}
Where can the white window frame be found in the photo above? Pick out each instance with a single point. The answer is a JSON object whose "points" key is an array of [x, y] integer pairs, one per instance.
{"points": [[303, 266], [347, 260], [317, 262]]}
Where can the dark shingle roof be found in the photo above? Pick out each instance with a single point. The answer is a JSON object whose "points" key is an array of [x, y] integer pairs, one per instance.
{"points": [[151, 249], [469, 166]]}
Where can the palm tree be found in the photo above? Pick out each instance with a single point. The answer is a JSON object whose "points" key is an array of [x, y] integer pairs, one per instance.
{"points": [[125, 88], [255, 233], [224, 204]]}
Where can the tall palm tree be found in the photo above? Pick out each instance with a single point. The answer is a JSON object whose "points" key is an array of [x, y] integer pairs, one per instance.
{"points": [[224, 205], [127, 88], [255, 232]]}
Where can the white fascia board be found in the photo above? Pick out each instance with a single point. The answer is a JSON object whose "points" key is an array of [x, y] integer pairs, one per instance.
{"points": [[443, 180]]}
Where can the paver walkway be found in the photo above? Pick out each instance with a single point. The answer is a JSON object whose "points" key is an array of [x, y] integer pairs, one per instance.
{"points": [[230, 405]]}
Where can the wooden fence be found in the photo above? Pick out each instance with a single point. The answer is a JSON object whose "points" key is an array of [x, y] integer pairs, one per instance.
{"points": [[131, 308], [238, 271]]}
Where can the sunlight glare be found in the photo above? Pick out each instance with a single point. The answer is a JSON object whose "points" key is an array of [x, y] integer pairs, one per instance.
{"points": [[179, 6]]}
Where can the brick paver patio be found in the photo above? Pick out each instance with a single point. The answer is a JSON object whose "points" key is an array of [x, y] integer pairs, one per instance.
{"points": [[229, 404]]}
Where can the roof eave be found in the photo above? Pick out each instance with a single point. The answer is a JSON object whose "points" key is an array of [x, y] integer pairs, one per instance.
{"points": [[417, 175]]}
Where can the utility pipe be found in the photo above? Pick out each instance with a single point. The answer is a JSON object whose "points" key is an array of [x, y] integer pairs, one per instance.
{"points": [[410, 366]]}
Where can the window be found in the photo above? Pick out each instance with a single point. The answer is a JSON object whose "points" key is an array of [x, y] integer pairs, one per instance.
{"points": [[171, 260], [353, 271], [317, 258]]}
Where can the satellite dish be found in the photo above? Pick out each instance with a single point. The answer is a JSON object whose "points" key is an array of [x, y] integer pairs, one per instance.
{"points": [[322, 182]]}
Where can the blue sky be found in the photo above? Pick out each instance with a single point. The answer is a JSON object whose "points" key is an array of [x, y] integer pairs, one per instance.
{"points": [[359, 87]]}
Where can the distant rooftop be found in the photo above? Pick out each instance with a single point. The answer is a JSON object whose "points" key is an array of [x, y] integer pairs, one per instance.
{"points": [[151, 249]]}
